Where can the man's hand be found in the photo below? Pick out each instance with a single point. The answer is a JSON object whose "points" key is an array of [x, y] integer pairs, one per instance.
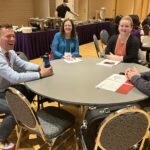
{"points": [[45, 72], [130, 72]]}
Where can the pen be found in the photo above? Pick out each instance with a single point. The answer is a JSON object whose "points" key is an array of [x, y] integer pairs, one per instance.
{"points": [[122, 73]]}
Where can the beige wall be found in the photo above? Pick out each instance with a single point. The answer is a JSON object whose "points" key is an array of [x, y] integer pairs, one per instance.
{"points": [[95, 5], [41, 8], [142, 8], [125, 7], [83, 10], [52, 5], [16, 12]]}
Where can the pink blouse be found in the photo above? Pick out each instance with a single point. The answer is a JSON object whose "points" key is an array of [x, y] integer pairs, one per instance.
{"points": [[120, 48]]}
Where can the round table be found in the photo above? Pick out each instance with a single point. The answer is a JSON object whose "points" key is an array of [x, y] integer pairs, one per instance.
{"points": [[76, 83]]}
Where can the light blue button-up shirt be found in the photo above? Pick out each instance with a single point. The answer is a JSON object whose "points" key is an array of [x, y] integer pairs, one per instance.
{"points": [[8, 76]]}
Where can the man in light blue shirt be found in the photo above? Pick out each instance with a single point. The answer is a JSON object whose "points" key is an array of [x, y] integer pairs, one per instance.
{"points": [[9, 77]]}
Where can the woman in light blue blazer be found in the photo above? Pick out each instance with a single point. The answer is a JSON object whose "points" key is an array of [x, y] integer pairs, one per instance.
{"points": [[66, 41]]}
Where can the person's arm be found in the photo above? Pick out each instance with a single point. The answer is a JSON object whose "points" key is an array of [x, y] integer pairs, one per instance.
{"points": [[55, 47], [132, 48], [45, 72], [74, 13], [111, 45], [14, 77], [139, 82], [76, 49], [22, 64], [146, 75], [56, 13]]}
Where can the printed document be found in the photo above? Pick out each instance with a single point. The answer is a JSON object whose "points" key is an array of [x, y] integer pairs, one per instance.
{"points": [[116, 83], [108, 63], [72, 60]]}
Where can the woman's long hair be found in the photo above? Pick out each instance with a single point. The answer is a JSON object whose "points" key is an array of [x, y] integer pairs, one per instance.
{"points": [[73, 32]]}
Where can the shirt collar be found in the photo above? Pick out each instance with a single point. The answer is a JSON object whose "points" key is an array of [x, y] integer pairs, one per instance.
{"points": [[2, 50]]}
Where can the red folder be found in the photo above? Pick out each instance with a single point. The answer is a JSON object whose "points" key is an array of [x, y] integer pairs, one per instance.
{"points": [[125, 88]]}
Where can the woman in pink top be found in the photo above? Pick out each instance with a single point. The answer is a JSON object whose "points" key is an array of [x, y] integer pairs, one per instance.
{"points": [[124, 46]]}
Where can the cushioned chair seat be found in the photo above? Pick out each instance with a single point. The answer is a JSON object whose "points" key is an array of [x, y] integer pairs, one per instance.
{"points": [[54, 121]]}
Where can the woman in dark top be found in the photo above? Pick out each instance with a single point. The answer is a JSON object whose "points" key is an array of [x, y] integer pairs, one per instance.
{"points": [[124, 46]]}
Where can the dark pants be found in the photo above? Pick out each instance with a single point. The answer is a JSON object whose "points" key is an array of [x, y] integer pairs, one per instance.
{"points": [[26, 92], [8, 124]]}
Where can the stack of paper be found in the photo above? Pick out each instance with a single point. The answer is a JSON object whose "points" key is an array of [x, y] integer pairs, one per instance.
{"points": [[72, 60], [108, 63], [116, 83]]}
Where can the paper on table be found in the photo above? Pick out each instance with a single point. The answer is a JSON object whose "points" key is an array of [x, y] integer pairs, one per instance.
{"points": [[72, 60], [116, 83], [108, 63]]}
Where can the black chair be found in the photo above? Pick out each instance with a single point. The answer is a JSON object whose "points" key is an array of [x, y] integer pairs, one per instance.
{"points": [[49, 123], [22, 56], [123, 130], [100, 53], [96, 45], [104, 36]]}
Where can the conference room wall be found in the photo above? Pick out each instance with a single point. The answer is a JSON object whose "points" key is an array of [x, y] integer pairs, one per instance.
{"points": [[117, 7], [41, 8], [16, 12]]}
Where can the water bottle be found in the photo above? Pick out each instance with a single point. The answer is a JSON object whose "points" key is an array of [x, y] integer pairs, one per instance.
{"points": [[46, 60]]}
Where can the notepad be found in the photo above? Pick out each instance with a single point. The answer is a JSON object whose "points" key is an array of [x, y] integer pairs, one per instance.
{"points": [[108, 63], [72, 60], [116, 83]]}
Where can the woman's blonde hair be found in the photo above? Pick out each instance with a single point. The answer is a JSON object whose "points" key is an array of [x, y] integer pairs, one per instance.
{"points": [[127, 18]]}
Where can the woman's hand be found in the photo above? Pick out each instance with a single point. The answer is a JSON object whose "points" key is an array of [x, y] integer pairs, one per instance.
{"points": [[67, 55], [114, 57]]}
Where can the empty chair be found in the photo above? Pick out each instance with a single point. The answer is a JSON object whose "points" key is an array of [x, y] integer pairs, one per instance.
{"points": [[48, 123], [96, 45], [124, 129], [104, 36]]}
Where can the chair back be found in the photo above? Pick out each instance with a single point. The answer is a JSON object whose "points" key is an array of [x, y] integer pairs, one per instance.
{"points": [[123, 129], [21, 108], [104, 36], [22, 56], [49, 123], [96, 45]]}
